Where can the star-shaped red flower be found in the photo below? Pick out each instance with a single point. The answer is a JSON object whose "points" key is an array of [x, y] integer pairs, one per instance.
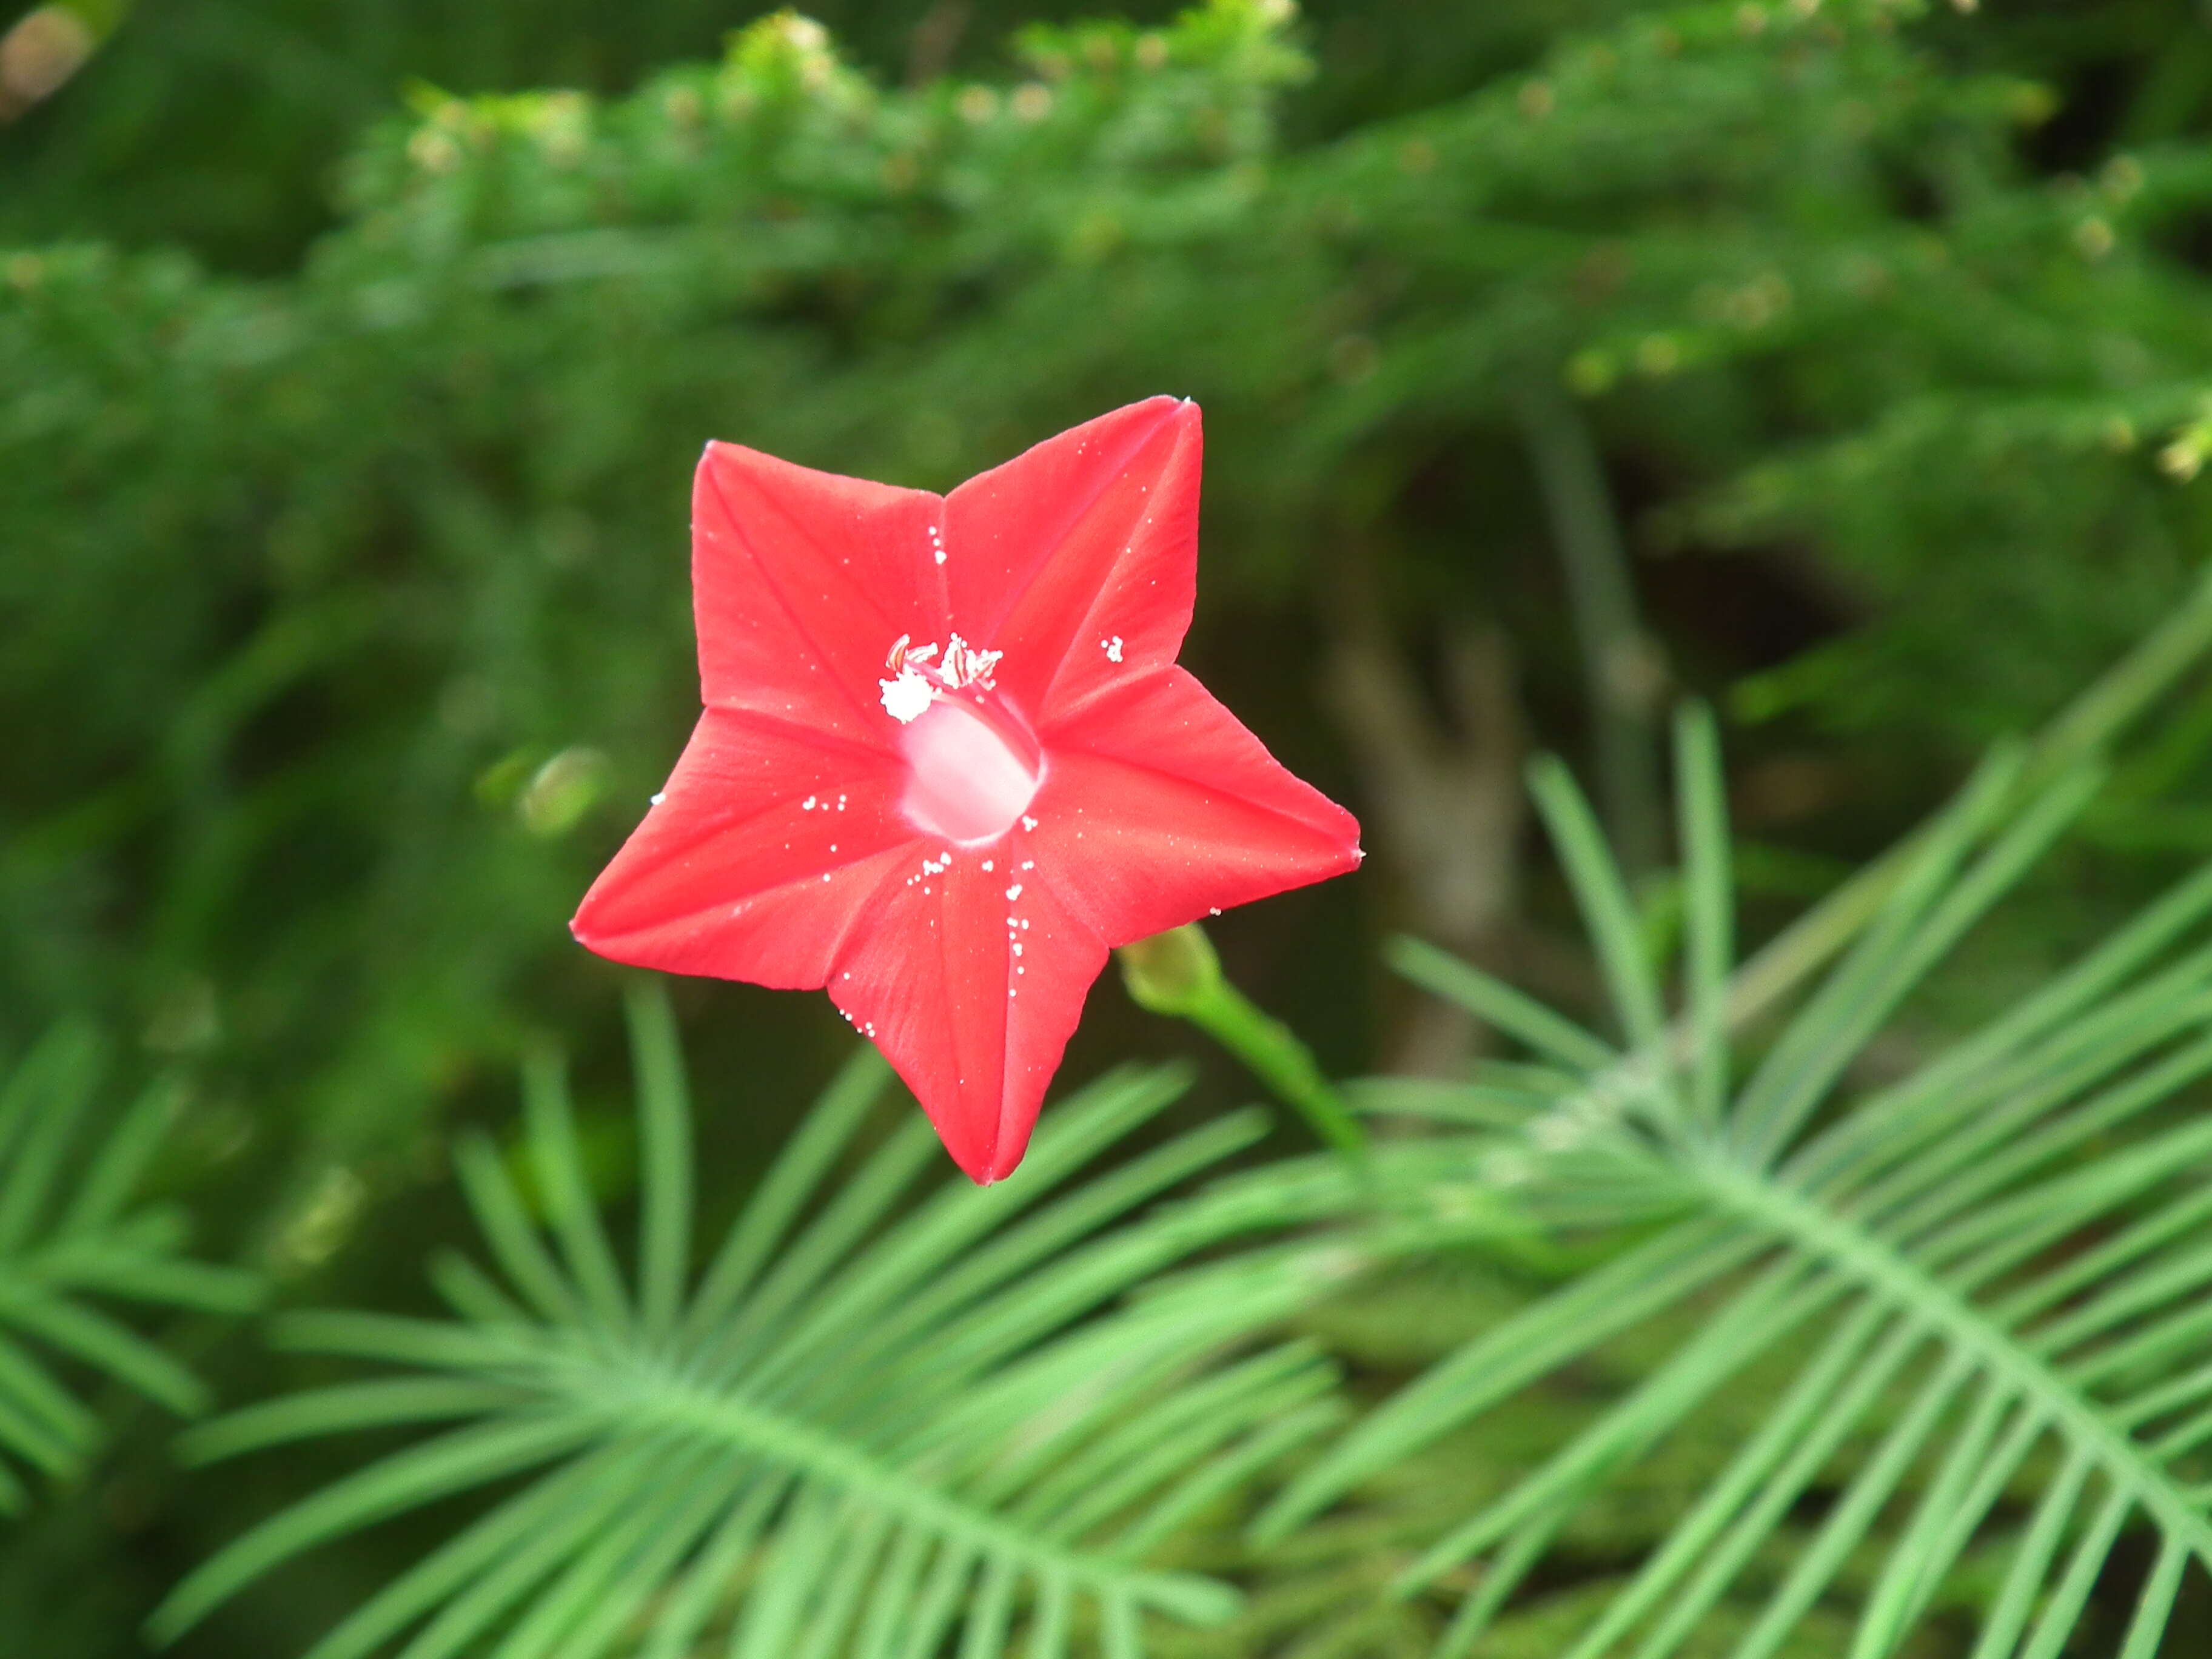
{"points": [[948, 761]]}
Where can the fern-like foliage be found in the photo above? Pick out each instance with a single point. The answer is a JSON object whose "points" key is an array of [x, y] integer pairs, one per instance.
{"points": [[1987, 1286], [872, 1425], [71, 1237]]}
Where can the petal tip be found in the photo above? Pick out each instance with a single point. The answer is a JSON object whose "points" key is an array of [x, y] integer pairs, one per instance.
{"points": [[980, 1164], [986, 1163]]}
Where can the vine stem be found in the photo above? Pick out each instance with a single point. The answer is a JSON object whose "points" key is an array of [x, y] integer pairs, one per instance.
{"points": [[1622, 672], [1176, 973], [2079, 731]]}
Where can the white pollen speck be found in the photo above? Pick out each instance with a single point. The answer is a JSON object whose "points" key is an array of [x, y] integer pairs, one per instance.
{"points": [[1214, 911], [806, 805], [833, 846], [987, 864], [660, 798], [849, 974], [1112, 648], [1021, 970], [1013, 892], [1027, 864], [1011, 992], [1025, 924], [825, 877], [1028, 823], [1018, 949]]}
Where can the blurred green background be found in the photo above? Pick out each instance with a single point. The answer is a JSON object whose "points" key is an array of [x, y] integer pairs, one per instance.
{"points": [[1847, 364]]}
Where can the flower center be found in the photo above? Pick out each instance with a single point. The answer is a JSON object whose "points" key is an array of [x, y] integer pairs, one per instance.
{"points": [[919, 676], [971, 771], [973, 766]]}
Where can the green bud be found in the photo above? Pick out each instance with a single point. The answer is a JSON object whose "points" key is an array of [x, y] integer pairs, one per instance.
{"points": [[1171, 973], [561, 792]]}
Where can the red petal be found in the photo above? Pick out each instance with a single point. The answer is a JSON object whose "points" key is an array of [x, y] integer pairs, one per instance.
{"points": [[929, 981], [800, 582], [727, 875], [1088, 538], [1158, 807]]}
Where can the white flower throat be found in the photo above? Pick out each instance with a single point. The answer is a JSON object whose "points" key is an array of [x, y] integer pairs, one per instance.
{"points": [[973, 764]]}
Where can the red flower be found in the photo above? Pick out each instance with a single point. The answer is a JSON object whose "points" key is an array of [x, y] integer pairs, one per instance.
{"points": [[947, 759]]}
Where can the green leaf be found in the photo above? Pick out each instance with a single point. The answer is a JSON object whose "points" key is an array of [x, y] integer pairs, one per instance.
{"points": [[1990, 1272], [70, 1233], [888, 1419]]}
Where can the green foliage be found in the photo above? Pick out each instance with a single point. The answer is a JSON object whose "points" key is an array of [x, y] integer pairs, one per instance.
{"points": [[381, 561], [346, 633], [870, 1424], [1978, 1289], [73, 1236], [397, 546]]}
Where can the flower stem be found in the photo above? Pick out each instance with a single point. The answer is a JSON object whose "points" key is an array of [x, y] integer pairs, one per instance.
{"points": [[1178, 973]]}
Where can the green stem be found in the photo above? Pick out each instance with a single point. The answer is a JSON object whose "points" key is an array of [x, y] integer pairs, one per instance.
{"points": [[1621, 671], [1273, 1054], [1178, 973]]}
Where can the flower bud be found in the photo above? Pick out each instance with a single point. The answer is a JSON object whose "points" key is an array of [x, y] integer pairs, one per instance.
{"points": [[1171, 973]]}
